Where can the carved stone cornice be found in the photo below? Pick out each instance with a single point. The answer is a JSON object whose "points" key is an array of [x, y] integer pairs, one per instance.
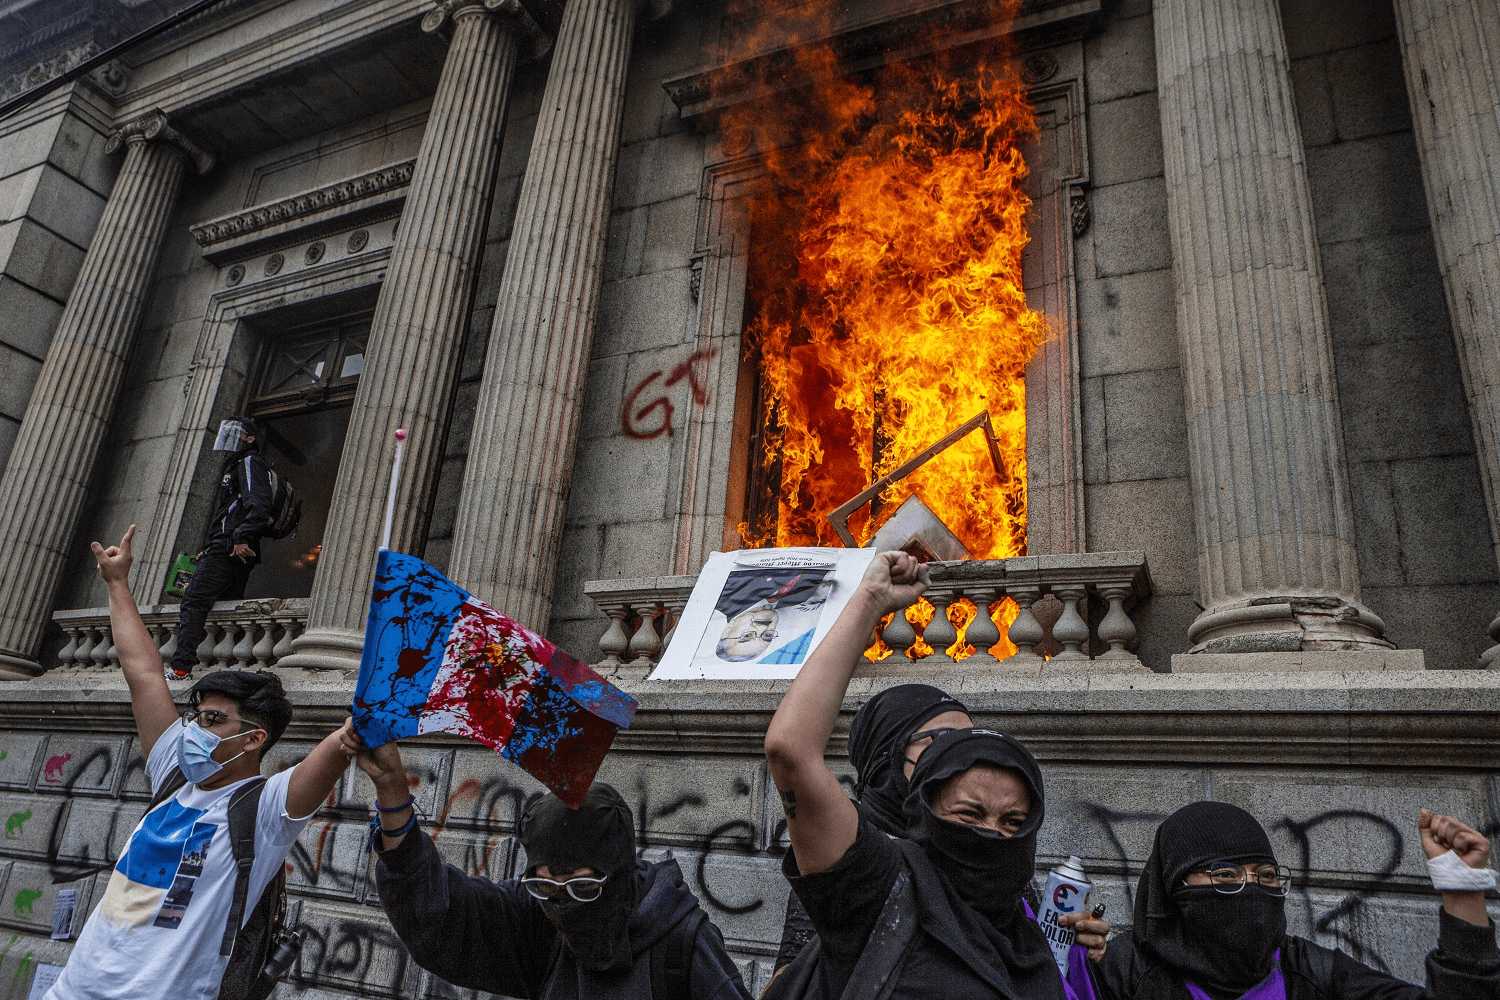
{"points": [[706, 91], [153, 127], [374, 194], [535, 41]]}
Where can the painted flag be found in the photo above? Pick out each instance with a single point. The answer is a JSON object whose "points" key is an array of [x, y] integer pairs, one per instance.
{"points": [[438, 660]]}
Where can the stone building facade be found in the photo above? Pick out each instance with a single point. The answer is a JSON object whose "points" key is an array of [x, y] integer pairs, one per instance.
{"points": [[1262, 443]]}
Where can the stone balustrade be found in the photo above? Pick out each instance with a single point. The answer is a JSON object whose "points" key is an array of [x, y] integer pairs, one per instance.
{"points": [[1065, 611], [249, 634]]}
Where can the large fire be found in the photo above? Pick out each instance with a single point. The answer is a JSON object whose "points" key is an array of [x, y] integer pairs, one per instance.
{"points": [[888, 304]]}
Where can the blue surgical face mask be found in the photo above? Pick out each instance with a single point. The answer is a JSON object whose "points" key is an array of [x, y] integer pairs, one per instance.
{"points": [[195, 752]]}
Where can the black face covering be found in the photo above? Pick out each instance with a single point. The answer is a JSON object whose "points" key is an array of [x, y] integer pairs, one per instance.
{"points": [[598, 835], [1223, 943], [877, 747], [988, 870], [968, 881]]}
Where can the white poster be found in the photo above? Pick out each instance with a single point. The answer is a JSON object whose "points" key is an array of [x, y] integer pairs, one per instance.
{"points": [[759, 613], [46, 975]]}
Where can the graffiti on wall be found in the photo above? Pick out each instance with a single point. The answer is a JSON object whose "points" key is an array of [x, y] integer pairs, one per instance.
{"points": [[725, 830]]}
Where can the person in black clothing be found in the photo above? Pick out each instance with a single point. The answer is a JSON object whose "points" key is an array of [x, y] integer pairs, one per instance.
{"points": [[231, 547], [588, 922], [1210, 922], [887, 737], [940, 913]]}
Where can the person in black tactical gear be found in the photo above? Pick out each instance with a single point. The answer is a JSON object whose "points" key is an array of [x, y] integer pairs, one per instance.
{"points": [[231, 546], [588, 921]]}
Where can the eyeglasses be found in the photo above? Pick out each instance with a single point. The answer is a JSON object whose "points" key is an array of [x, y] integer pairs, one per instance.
{"points": [[1229, 879], [583, 888], [210, 717]]}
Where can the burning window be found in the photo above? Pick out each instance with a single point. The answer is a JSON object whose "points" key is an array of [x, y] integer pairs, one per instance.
{"points": [[886, 300]]}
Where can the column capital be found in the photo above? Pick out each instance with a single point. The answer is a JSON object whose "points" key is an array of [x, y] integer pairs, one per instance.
{"points": [[153, 127], [446, 14]]}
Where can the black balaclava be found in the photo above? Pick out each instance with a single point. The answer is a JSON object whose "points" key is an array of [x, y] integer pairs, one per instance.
{"points": [[600, 834], [988, 870], [877, 747], [1223, 943], [972, 902]]}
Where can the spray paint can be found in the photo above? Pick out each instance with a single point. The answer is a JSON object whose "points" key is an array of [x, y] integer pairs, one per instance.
{"points": [[1067, 891]]}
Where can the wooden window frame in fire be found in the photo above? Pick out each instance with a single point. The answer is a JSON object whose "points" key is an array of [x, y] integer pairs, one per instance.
{"points": [[712, 457]]}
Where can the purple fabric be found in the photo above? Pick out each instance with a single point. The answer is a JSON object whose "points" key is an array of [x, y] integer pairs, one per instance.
{"points": [[1273, 987], [1078, 984]]}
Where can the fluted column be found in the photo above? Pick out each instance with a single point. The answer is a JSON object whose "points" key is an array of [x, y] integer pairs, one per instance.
{"points": [[525, 429], [416, 335], [42, 489], [1277, 568], [1452, 53]]}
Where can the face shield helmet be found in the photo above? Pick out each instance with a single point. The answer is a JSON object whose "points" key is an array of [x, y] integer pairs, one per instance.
{"points": [[232, 434]]}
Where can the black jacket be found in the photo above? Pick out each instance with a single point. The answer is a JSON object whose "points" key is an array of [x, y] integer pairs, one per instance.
{"points": [[244, 511], [493, 936], [1464, 966]]}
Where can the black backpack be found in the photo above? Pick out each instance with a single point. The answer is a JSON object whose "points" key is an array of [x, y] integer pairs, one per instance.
{"points": [[286, 506], [672, 960], [265, 935]]}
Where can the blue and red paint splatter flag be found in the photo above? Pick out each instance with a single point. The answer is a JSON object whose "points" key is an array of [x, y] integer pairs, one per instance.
{"points": [[437, 660]]}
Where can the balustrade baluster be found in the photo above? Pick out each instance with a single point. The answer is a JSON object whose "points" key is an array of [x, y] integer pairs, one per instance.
{"points": [[99, 655], [290, 630], [223, 650], [1116, 629], [645, 645], [210, 642], [244, 646], [899, 635], [1071, 631], [614, 643], [1026, 631], [262, 651], [940, 633], [168, 648], [674, 608], [65, 655], [982, 633]]}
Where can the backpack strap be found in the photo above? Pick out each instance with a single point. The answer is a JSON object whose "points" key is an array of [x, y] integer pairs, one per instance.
{"points": [[874, 975], [243, 810], [672, 960]]}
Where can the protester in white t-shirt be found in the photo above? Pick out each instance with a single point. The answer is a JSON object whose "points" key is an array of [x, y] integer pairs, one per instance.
{"points": [[158, 927]]}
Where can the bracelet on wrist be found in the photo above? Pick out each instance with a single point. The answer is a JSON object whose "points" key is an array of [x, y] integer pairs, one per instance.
{"points": [[376, 829], [410, 803]]}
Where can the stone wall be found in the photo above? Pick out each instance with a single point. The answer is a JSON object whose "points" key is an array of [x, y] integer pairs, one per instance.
{"points": [[54, 178], [1337, 787], [1425, 561]]}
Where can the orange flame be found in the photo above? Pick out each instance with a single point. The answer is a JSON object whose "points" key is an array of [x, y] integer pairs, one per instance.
{"points": [[888, 302]]}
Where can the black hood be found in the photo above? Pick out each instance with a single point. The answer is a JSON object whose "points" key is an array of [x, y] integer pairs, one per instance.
{"points": [[877, 747], [1224, 943]]}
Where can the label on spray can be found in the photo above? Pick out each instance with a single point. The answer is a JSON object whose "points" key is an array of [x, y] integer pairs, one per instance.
{"points": [[1067, 891]]}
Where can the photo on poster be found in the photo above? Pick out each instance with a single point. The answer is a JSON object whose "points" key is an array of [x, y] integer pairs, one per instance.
{"points": [[759, 613]]}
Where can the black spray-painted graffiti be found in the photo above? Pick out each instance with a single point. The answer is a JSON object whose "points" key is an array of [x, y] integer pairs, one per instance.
{"points": [[349, 946]]}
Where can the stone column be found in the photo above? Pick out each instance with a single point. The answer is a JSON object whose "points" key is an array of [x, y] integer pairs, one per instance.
{"points": [[1450, 48], [42, 489], [416, 335], [1276, 555], [515, 487]]}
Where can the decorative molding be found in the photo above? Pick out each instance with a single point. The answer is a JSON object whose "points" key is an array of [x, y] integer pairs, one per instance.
{"points": [[273, 265], [374, 195], [153, 127], [707, 91], [358, 240], [1078, 203], [235, 275], [1039, 68], [445, 14], [314, 252]]}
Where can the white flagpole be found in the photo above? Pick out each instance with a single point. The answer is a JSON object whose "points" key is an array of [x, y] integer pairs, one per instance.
{"points": [[390, 500]]}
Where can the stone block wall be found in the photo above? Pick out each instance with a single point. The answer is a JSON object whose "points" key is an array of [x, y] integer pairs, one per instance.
{"points": [[1425, 561], [54, 179], [1339, 797]]}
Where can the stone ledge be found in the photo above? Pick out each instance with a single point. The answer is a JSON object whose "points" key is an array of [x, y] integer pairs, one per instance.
{"points": [[1297, 661]]}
